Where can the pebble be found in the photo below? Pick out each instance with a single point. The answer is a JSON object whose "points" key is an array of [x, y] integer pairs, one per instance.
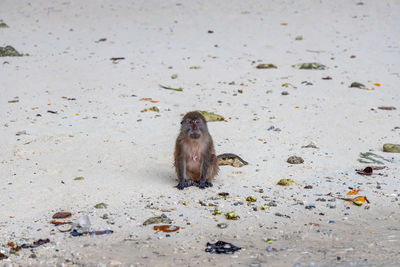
{"points": [[295, 160]]}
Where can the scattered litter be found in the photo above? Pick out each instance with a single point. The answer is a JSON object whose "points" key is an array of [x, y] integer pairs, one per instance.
{"points": [[57, 223], [308, 187], [101, 40], [306, 83], [310, 207], [287, 182], [154, 109], [149, 99], [357, 200], [309, 66], [264, 207], [232, 160], [163, 219], [80, 178], [360, 86], [101, 205], [221, 247], [387, 108], [13, 101], [353, 192], [170, 88], [251, 199], [295, 160], [52, 112], [62, 215], [310, 145], [174, 76], [327, 78], [266, 66], [217, 212], [222, 225], [366, 171], [392, 148], [232, 216], [210, 116], [23, 132], [166, 228], [116, 60]]}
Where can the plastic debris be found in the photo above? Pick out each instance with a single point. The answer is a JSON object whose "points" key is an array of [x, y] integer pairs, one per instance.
{"points": [[221, 247]]}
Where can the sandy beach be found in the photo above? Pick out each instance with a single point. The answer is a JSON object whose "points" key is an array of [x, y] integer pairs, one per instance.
{"points": [[80, 104]]}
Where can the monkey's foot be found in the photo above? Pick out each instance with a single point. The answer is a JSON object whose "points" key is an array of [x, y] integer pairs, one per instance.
{"points": [[184, 184], [205, 184]]}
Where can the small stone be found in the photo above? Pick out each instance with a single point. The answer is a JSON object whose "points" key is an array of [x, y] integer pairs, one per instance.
{"points": [[174, 76], [295, 160], [285, 93], [101, 205], [286, 182], [392, 148], [222, 225], [299, 38]]}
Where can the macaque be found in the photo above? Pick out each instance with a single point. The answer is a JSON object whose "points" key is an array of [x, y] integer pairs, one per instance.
{"points": [[195, 160]]}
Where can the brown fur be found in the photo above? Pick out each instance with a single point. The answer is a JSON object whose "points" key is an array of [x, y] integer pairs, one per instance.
{"points": [[195, 159]]}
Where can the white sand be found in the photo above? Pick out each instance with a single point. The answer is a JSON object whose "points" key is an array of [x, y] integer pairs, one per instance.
{"points": [[125, 155]]}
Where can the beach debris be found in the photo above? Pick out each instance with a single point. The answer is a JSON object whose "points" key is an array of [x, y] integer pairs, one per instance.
{"points": [[357, 200], [116, 60], [377, 84], [174, 76], [264, 207], [286, 182], [287, 85], [166, 228], [210, 116], [310, 207], [9, 51], [308, 187], [353, 192], [313, 224], [163, 219], [217, 212], [61, 215], [52, 112], [83, 227], [80, 178], [170, 88], [371, 158], [367, 171], [284, 93], [154, 109], [68, 98], [101, 205], [23, 132], [392, 148], [251, 199], [232, 160], [223, 195], [232, 216], [299, 38], [222, 225], [387, 108], [278, 214], [309, 66], [41, 242], [149, 99], [266, 66], [13, 101], [360, 86], [221, 247], [310, 145], [272, 127], [57, 223], [306, 83], [295, 160], [3, 256], [3, 24], [327, 78], [261, 190], [101, 40], [100, 232]]}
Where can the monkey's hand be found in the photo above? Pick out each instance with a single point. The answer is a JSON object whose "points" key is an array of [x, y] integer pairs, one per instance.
{"points": [[184, 184], [204, 185]]}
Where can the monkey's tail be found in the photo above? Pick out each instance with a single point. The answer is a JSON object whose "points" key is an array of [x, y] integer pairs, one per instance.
{"points": [[232, 156]]}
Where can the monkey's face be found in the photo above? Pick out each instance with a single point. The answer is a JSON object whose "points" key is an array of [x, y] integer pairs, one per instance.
{"points": [[193, 127]]}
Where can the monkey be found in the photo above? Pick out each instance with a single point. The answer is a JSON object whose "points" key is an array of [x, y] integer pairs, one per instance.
{"points": [[195, 160]]}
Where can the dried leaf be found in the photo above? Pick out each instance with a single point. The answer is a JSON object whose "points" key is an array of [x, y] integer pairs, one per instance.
{"points": [[367, 171], [170, 88], [353, 192], [166, 228], [210, 116], [62, 215]]}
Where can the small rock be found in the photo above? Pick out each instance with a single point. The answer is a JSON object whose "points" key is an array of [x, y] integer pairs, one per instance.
{"points": [[222, 225], [392, 148], [174, 76], [285, 93], [295, 160]]}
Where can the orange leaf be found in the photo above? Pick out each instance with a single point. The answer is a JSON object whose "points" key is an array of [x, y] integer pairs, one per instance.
{"points": [[377, 84], [353, 192], [149, 99]]}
